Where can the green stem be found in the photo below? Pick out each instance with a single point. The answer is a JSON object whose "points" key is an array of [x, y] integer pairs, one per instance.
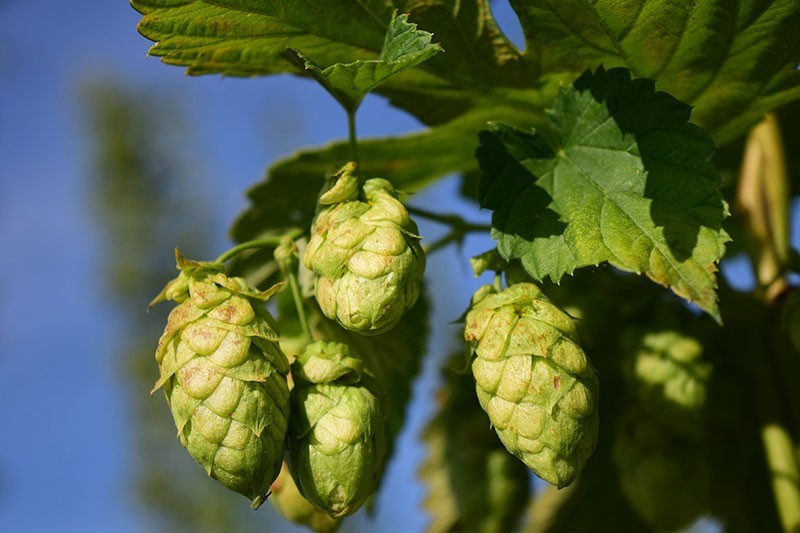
{"points": [[263, 242], [351, 130], [441, 243], [298, 302], [454, 221], [498, 282]]}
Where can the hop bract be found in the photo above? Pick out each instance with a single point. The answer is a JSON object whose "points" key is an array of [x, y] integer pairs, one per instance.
{"points": [[224, 377], [336, 434], [365, 251], [533, 380]]}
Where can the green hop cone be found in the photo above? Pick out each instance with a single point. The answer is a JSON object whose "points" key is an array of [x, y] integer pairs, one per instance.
{"points": [[224, 377], [668, 375], [365, 252], [286, 498], [533, 379], [336, 433], [663, 475]]}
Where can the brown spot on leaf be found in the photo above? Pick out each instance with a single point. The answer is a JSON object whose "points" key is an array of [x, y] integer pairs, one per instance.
{"points": [[557, 382]]}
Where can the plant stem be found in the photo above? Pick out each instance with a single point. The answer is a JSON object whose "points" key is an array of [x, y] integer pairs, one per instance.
{"points": [[286, 255], [351, 129], [298, 302], [258, 243], [460, 227], [452, 220]]}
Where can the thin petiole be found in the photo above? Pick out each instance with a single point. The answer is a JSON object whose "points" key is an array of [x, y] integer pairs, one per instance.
{"points": [[264, 242]]}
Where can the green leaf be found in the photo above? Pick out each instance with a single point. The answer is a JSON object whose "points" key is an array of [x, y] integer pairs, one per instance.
{"points": [[732, 60], [472, 482], [405, 47], [246, 38], [628, 182], [250, 37]]}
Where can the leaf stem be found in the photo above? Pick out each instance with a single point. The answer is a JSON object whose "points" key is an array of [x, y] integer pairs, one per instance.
{"points": [[298, 302], [498, 282], [353, 138], [452, 220], [286, 256], [263, 242]]}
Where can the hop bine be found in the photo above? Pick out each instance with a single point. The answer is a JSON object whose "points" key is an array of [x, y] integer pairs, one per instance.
{"points": [[533, 379], [224, 377], [365, 252], [336, 434]]}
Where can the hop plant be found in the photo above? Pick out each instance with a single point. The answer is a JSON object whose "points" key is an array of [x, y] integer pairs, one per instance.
{"points": [[224, 377], [286, 498], [663, 475], [668, 375], [336, 433], [365, 251], [533, 379]]}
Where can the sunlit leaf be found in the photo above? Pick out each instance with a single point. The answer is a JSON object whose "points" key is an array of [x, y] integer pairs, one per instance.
{"points": [[627, 182], [405, 47], [732, 60]]}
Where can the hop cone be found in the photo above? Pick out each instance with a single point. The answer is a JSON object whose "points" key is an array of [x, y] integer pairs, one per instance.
{"points": [[286, 498], [533, 379], [224, 377], [668, 375], [365, 253], [336, 434], [664, 476]]}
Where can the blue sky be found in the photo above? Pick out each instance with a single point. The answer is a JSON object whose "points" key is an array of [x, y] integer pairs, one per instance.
{"points": [[66, 446]]}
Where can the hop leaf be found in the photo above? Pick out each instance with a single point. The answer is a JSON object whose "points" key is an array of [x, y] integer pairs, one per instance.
{"points": [[664, 476], [533, 379], [366, 255], [224, 377], [336, 434]]}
